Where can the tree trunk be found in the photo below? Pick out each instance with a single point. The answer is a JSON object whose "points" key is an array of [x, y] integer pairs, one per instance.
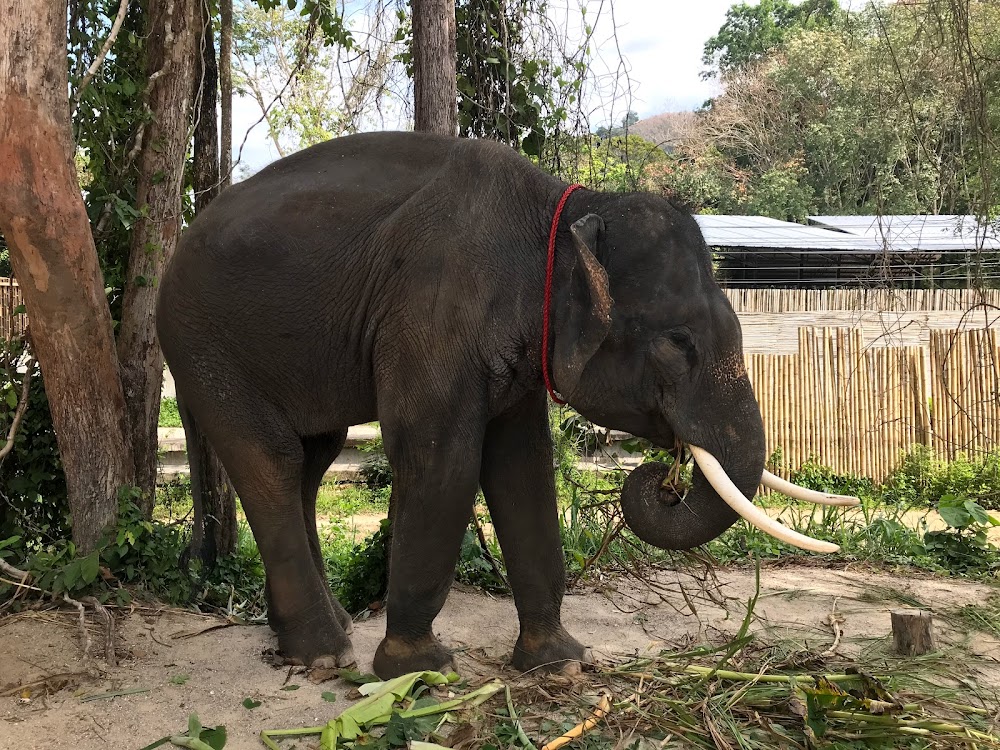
{"points": [[435, 97], [169, 66], [217, 535], [226, 90], [912, 631], [44, 220], [206, 130]]}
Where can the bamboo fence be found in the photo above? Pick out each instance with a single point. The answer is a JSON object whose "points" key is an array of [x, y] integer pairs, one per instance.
{"points": [[882, 299], [11, 324], [857, 408]]}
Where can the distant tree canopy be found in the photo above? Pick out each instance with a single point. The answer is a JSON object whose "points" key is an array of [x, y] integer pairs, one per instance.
{"points": [[752, 31], [890, 109]]}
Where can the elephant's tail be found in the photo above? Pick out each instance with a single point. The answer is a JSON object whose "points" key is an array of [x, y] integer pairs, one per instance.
{"points": [[194, 441]]}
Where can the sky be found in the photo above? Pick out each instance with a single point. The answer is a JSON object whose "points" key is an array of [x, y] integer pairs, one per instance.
{"points": [[660, 44]]}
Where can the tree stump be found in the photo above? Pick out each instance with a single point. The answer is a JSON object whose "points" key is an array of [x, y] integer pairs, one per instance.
{"points": [[912, 632]]}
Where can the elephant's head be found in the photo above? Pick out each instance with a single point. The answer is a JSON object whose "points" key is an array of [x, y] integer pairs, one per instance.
{"points": [[645, 341]]}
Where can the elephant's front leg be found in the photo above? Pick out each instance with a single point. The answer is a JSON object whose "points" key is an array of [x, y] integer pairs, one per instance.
{"points": [[517, 479], [435, 478]]}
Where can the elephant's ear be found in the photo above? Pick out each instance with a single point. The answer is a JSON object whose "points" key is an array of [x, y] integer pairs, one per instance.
{"points": [[584, 317]]}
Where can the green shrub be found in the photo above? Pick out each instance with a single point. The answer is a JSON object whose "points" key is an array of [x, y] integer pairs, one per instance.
{"points": [[143, 554], [923, 479], [360, 577], [375, 469], [474, 566], [963, 547], [33, 500], [169, 414], [815, 476]]}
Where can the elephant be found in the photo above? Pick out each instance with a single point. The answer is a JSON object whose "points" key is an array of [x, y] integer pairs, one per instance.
{"points": [[443, 286]]}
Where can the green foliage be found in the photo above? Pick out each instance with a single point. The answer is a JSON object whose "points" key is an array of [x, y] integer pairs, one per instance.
{"points": [[582, 434], [326, 16], [474, 566], [804, 125], [815, 476], [752, 31], [360, 577], [5, 269], [169, 415], [348, 499], [375, 470], [921, 479], [503, 93], [616, 163], [142, 554], [279, 61], [106, 126], [33, 501], [963, 547], [173, 498], [196, 738]]}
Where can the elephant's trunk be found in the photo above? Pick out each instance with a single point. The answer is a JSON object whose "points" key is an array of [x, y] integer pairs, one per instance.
{"points": [[659, 516], [735, 435]]}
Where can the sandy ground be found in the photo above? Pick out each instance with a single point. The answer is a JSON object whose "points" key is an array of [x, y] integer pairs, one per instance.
{"points": [[224, 666]]}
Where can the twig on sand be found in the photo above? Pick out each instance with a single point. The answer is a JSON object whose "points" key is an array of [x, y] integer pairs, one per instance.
{"points": [[83, 623], [835, 620], [109, 629]]}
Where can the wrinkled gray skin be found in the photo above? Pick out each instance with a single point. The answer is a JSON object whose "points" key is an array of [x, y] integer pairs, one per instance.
{"points": [[400, 277]]}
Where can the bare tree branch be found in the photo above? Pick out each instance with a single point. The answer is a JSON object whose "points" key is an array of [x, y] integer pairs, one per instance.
{"points": [[92, 70], [22, 407]]}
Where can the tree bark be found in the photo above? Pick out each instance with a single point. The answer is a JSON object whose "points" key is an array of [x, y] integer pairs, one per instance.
{"points": [[226, 91], [44, 220], [217, 520], [170, 55], [435, 96], [206, 130]]}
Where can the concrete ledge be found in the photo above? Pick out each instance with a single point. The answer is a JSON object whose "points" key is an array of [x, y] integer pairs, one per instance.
{"points": [[174, 461]]}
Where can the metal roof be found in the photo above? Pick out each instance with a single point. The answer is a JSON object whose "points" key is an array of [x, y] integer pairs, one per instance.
{"points": [[761, 232], [938, 233]]}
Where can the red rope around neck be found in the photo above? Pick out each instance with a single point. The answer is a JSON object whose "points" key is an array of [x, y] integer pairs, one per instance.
{"points": [[547, 305]]}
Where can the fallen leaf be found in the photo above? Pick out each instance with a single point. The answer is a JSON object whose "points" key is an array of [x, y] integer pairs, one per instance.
{"points": [[250, 704], [321, 674]]}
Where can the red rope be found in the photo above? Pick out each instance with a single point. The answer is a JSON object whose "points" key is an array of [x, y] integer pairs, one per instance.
{"points": [[547, 305]]}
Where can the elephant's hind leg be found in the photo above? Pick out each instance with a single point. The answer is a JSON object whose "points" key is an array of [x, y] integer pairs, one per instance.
{"points": [[318, 453], [267, 467]]}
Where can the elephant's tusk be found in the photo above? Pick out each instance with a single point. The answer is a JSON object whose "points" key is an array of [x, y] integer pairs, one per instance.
{"points": [[736, 500], [785, 487]]}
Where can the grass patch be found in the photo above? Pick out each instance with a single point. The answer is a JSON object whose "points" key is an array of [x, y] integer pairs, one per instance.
{"points": [[341, 500], [982, 617]]}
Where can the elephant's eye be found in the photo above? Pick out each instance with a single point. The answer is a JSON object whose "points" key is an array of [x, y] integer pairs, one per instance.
{"points": [[681, 338]]}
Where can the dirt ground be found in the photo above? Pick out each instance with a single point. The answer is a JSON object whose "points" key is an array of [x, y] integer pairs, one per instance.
{"points": [[158, 649]]}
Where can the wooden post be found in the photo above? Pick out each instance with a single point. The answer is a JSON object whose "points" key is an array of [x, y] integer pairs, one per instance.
{"points": [[912, 632]]}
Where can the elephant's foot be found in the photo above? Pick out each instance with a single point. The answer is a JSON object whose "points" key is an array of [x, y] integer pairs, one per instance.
{"points": [[549, 651], [396, 656], [318, 644]]}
